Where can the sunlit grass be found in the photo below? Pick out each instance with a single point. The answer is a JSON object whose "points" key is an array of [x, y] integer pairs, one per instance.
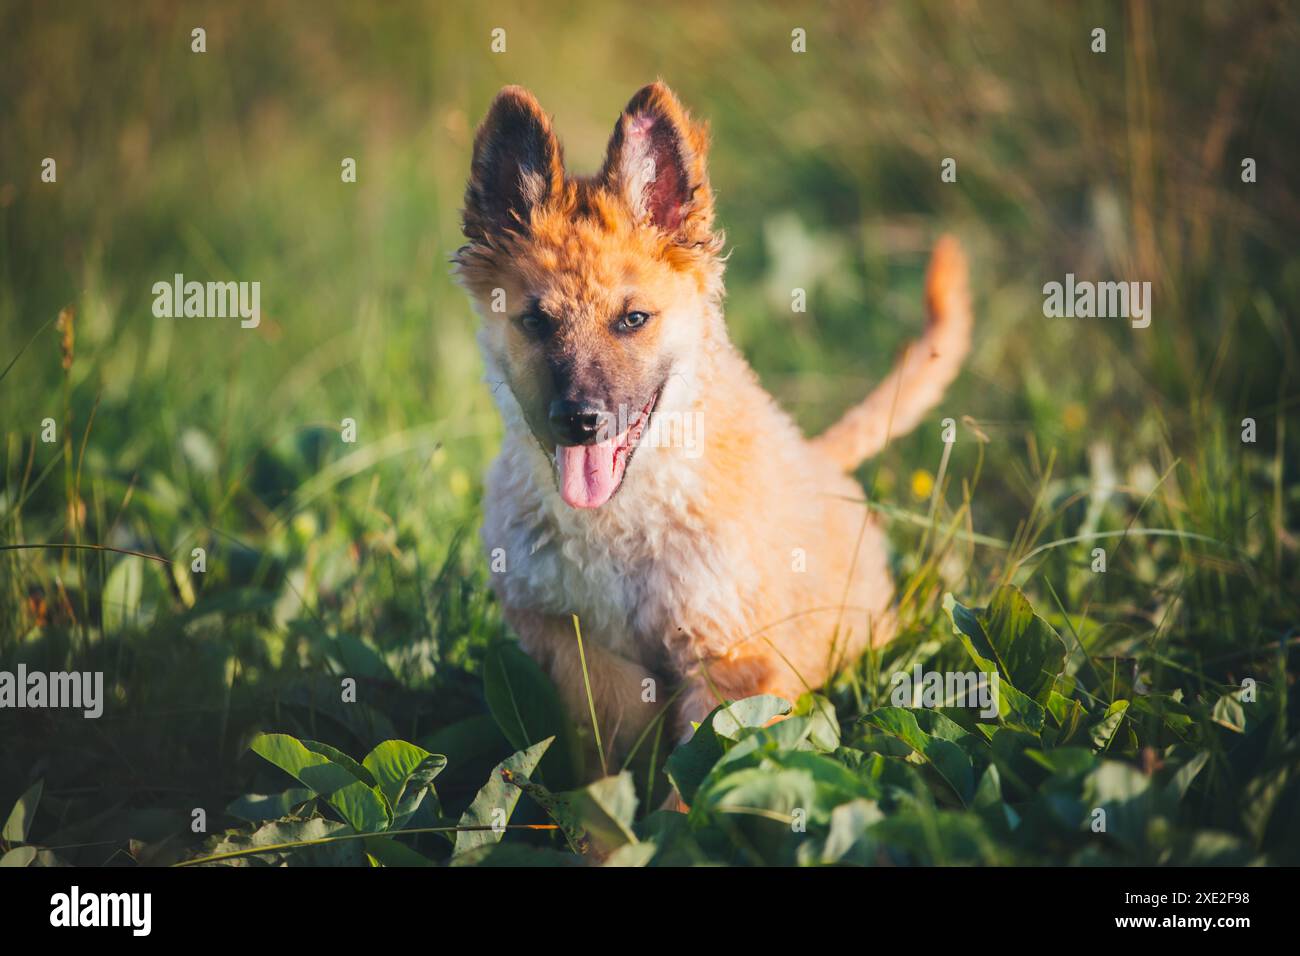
{"points": [[325, 558]]}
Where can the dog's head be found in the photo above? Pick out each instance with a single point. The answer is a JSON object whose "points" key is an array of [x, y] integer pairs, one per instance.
{"points": [[595, 291]]}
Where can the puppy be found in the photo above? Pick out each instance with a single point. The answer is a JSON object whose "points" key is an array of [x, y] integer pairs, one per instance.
{"points": [[647, 483]]}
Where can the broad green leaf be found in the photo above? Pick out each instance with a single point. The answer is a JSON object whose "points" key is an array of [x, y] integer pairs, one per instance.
{"points": [[292, 756], [271, 837], [1009, 750], [943, 755], [392, 763], [1181, 781], [690, 763], [669, 831], [18, 857], [527, 708], [751, 712], [772, 789], [467, 741], [359, 659], [792, 733], [19, 823], [1061, 793], [1124, 793], [1068, 714], [849, 824], [632, 854], [937, 724], [1173, 714], [1228, 712], [391, 853], [824, 733], [334, 755], [918, 835], [419, 787], [1029, 648], [754, 776], [1020, 710], [605, 809], [988, 792], [496, 800], [595, 820], [363, 807], [1103, 732], [558, 806], [892, 782], [122, 593], [259, 807], [1025, 649]]}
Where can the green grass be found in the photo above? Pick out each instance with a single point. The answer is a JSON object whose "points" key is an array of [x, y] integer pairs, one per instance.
{"points": [[327, 559]]}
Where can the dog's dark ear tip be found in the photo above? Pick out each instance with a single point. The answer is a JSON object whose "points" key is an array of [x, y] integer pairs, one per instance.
{"points": [[513, 93], [655, 97], [517, 164], [517, 101], [513, 110]]}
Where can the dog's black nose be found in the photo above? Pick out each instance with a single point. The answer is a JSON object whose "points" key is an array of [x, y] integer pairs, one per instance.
{"points": [[577, 423]]}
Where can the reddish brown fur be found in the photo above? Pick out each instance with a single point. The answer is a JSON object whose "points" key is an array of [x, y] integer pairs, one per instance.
{"points": [[685, 576]]}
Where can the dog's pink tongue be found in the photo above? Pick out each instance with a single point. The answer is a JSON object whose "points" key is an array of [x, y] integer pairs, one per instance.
{"points": [[589, 475]]}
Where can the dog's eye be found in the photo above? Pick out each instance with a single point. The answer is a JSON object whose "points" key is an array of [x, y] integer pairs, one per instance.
{"points": [[534, 323], [633, 320]]}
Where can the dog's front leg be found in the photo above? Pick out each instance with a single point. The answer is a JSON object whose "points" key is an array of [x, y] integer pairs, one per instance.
{"points": [[627, 696]]}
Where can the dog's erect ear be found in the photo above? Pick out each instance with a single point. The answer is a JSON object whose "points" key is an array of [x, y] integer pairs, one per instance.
{"points": [[656, 162], [517, 165]]}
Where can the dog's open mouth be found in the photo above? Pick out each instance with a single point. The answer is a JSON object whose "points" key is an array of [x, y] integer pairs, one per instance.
{"points": [[590, 474]]}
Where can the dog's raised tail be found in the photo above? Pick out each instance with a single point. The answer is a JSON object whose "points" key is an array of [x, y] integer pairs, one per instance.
{"points": [[919, 379]]}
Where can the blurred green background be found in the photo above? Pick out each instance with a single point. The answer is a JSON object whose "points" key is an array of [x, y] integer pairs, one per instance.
{"points": [[325, 557]]}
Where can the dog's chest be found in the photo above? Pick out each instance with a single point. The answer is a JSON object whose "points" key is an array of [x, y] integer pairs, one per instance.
{"points": [[637, 572]]}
